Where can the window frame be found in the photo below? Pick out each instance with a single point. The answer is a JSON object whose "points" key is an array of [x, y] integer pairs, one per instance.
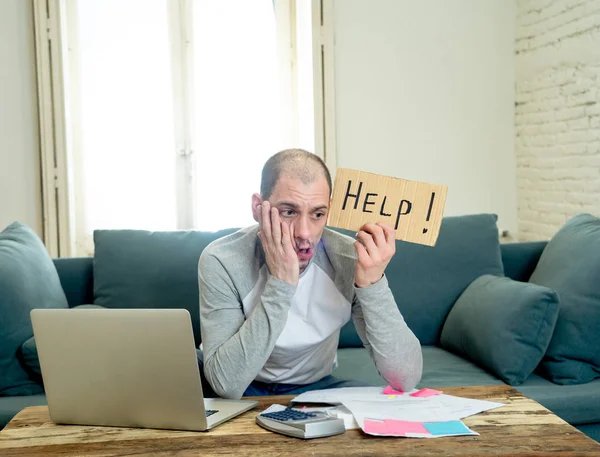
{"points": [[58, 114]]}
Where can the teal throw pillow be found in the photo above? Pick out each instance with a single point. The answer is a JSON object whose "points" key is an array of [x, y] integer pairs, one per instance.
{"points": [[570, 264], [28, 280], [502, 325], [29, 358]]}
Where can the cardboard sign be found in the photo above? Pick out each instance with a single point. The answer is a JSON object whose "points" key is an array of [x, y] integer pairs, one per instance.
{"points": [[413, 208]]}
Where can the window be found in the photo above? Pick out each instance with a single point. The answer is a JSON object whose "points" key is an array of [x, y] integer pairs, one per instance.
{"points": [[237, 106], [171, 107]]}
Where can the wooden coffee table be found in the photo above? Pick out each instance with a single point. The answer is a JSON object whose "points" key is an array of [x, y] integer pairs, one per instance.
{"points": [[521, 428]]}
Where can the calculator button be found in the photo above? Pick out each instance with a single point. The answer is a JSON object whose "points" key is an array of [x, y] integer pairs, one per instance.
{"points": [[288, 415]]}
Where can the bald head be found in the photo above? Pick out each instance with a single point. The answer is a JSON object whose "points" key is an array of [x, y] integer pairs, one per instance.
{"points": [[295, 163]]}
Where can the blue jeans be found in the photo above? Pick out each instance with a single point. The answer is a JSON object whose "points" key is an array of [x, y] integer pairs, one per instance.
{"points": [[258, 388]]}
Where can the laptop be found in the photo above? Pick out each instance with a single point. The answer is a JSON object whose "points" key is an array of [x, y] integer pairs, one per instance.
{"points": [[125, 368]]}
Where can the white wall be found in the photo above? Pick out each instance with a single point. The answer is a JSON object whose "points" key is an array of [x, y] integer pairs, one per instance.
{"points": [[425, 91], [558, 113], [20, 182]]}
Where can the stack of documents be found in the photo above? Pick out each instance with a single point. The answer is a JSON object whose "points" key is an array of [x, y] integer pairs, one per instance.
{"points": [[424, 413]]}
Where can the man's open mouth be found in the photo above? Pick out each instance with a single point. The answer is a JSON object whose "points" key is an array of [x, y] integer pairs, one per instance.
{"points": [[305, 254]]}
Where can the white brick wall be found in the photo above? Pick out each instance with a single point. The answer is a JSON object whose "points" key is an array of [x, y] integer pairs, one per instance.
{"points": [[557, 113]]}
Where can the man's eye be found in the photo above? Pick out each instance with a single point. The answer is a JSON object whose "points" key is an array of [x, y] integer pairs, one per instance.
{"points": [[319, 215], [287, 212]]}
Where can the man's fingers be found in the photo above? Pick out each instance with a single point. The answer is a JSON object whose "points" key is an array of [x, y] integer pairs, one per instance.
{"points": [[291, 234], [286, 238], [363, 255], [389, 232], [261, 237], [368, 243], [376, 232], [265, 226], [275, 226]]}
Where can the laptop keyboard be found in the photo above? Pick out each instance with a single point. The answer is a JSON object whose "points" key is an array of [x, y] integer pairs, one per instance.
{"points": [[210, 412]]}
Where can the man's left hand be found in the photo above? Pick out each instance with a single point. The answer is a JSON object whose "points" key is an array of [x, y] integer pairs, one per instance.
{"points": [[375, 249]]}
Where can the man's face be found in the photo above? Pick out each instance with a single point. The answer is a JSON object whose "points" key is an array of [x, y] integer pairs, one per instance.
{"points": [[304, 207]]}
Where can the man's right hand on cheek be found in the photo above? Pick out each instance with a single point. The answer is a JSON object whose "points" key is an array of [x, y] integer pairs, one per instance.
{"points": [[278, 243]]}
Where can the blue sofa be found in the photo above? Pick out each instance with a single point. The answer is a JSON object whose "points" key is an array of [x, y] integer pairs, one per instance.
{"points": [[139, 269]]}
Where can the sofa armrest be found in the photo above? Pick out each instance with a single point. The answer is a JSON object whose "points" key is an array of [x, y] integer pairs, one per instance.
{"points": [[520, 259], [77, 279]]}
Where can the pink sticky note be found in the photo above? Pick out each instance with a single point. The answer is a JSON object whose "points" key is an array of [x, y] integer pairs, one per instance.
{"points": [[389, 390], [404, 427], [376, 427], [394, 427], [425, 393]]}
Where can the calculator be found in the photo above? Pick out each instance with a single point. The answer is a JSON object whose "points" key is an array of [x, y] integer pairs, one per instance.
{"points": [[301, 424]]}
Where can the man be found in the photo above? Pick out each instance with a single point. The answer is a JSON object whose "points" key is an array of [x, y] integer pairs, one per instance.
{"points": [[273, 297]]}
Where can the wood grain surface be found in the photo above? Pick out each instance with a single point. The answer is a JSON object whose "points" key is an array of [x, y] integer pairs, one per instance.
{"points": [[520, 428]]}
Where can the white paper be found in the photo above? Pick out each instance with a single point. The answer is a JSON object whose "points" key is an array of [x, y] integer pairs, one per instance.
{"points": [[460, 408], [274, 409], [416, 410], [455, 407], [313, 409], [341, 412], [433, 409]]}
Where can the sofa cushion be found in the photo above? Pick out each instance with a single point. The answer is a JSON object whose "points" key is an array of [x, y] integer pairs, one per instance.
{"points": [[357, 365], [576, 404], [443, 368], [28, 280], [591, 430], [570, 264], [10, 406], [77, 278], [502, 325], [142, 269], [520, 259], [440, 368], [426, 281], [29, 357]]}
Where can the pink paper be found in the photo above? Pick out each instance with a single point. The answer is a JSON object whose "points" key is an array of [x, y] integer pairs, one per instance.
{"points": [[376, 427], [394, 427], [404, 427], [389, 390], [425, 393]]}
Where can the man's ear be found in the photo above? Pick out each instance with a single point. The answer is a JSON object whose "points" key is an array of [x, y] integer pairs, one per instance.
{"points": [[256, 205]]}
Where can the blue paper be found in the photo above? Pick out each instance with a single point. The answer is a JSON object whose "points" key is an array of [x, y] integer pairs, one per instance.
{"points": [[446, 428]]}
